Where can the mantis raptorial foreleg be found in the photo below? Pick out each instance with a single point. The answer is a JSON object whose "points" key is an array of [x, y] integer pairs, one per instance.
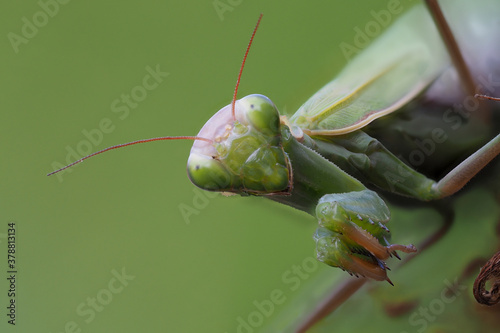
{"points": [[371, 162], [352, 234], [385, 170]]}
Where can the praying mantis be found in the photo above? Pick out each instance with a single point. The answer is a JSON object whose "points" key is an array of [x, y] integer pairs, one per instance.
{"points": [[337, 157]]}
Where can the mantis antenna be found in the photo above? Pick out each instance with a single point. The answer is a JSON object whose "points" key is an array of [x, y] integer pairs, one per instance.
{"points": [[243, 65], [170, 137], [130, 144]]}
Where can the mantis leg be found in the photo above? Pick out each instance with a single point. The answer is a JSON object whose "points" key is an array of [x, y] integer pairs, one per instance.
{"points": [[452, 46], [460, 175], [353, 236], [457, 57]]}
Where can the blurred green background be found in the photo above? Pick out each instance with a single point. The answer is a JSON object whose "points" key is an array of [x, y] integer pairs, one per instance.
{"points": [[122, 211]]}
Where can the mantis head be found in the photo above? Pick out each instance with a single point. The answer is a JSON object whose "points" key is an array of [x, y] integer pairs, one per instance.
{"points": [[245, 154]]}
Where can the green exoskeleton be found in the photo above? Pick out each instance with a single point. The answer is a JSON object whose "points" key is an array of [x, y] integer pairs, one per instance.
{"points": [[384, 129]]}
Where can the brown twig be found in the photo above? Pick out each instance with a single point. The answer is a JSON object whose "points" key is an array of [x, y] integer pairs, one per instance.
{"points": [[489, 272]]}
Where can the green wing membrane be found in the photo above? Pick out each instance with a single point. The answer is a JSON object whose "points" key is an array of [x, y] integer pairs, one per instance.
{"points": [[390, 72]]}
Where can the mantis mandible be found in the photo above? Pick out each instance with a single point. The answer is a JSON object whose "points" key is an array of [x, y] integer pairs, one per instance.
{"points": [[332, 160]]}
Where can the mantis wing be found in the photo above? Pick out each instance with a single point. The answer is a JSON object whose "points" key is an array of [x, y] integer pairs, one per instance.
{"points": [[393, 70]]}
